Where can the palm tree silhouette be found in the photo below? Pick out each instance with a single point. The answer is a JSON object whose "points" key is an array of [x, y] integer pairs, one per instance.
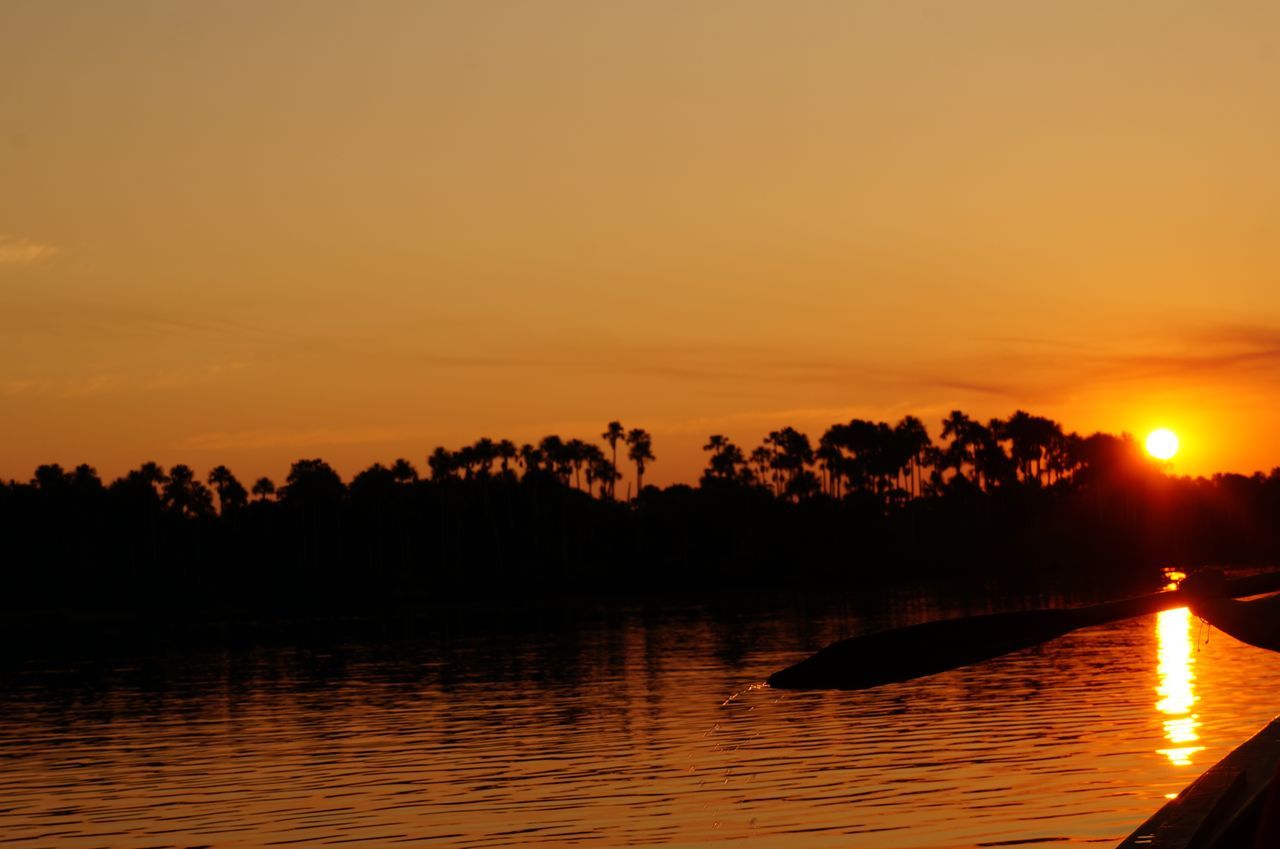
{"points": [[831, 459], [613, 434], [231, 493], [530, 458], [958, 427], [555, 457], [1047, 434], [1064, 456], [792, 453], [264, 488], [775, 466], [313, 481], [145, 488], [1019, 430], [575, 453], [49, 477], [727, 461], [993, 467], [484, 452], [185, 495], [914, 441], [603, 470], [85, 478], [507, 453], [640, 451], [402, 471], [863, 452], [591, 457], [441, 463], [149, 474], [761, 460]]}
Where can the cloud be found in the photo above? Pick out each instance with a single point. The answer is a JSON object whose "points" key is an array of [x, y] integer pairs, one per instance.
{"points": [[16, 387], [19, 251], [100, 321], [1044, 371], [113, 379], [298, 438]]}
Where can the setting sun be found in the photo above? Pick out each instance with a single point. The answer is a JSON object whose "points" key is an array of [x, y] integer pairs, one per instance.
{"points": [[1162, 444]]}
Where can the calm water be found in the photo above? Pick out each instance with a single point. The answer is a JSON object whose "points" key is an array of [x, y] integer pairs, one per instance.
{"points": [[621, 732]]}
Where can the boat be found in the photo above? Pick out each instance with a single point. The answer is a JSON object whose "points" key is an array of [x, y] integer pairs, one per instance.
{"points": [[1224, 807]]}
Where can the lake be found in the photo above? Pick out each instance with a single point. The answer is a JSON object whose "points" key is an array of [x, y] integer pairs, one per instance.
{"points": [[622, 727]]}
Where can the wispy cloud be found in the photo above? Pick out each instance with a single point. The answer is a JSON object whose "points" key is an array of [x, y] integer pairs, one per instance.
{"points": [[105, 322], [1040, 371], [114, 380], [15, 250], [298, 438], [1013, 371]]}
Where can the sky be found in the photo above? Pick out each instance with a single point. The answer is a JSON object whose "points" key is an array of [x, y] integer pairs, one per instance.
{"points": [[250, 232]]}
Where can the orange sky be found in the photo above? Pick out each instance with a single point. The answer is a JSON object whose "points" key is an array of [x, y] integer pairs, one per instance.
{"points": [[245, 233]]}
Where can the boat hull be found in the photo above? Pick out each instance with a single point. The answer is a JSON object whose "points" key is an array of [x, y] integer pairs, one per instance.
{"points": [[1223, 808]]}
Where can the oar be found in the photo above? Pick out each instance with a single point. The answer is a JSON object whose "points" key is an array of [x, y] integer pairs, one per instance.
{"points": [[918, 650]]}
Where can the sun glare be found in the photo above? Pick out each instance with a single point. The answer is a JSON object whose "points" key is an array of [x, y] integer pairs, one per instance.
{"points": [[1162, 444]]}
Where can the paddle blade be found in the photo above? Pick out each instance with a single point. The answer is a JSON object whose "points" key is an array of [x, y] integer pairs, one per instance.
{"points": [[901, 654]]}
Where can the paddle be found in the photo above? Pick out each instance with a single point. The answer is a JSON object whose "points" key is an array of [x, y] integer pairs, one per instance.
{"points": [[918, 650]]}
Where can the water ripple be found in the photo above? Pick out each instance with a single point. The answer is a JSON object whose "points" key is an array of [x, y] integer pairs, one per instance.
{"points": [[624, 733]]}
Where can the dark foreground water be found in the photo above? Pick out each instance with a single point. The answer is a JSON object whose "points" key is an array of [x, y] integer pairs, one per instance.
{"points": [[620, 731]]}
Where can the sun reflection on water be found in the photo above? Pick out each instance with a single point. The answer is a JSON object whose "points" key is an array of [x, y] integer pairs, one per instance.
{"points": [[1175, 651]]}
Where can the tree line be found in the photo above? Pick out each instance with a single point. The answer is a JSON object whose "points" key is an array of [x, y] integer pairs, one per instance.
{"points": [[868, 501]]}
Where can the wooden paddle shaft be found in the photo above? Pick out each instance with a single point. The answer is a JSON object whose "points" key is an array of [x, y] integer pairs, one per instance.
{"points": [[905, 653], [1114, 611]]}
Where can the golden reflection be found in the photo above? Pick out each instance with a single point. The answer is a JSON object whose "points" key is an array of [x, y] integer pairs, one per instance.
{"points": [[1176, 689]]}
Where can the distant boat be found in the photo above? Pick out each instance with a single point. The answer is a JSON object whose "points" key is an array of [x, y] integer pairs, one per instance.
{"points": [[1223, 808]]}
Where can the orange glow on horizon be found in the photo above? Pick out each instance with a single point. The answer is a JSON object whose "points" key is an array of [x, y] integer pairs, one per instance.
{"points": [[511, 225]]}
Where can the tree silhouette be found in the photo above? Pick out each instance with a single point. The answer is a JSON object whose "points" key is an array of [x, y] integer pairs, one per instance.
{"points": [[231, 493], [640, 452], [791, 454], [484, 453], [576, 455], [441, 463], [185, 495], [555, 457], [831, 459], [613, 434], [591, 461], [507, 454], [149, 475], [727, 463], [312, 481], [1064, 455], [85, 479], [761, 460], [963, 433], [993, 467], [864, 455], [314, 491], [49, 478], [531, 459], [601, 469], [913, 441], [466, 459], [874, 500], [402, 471], [264, 488]]}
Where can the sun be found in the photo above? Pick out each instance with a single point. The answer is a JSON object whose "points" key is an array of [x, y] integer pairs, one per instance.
{"points": [[1162, 444]]}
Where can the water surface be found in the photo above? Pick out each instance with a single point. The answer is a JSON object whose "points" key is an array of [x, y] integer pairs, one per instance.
{"points": [[622, 730]]}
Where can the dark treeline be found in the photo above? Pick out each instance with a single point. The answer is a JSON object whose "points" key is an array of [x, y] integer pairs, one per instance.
{"points": [[869, 502]]}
